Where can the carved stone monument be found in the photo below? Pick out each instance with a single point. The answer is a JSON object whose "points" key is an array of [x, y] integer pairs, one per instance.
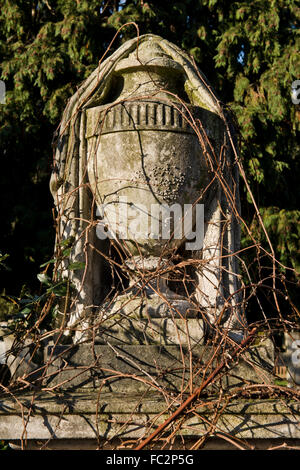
{"points": [[143, 139], [146, 187]]}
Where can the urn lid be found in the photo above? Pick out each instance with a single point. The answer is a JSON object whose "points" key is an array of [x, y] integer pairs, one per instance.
{"points": [[150, 55]]}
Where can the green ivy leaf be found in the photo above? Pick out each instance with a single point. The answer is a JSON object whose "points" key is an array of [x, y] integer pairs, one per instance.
{"points": [[76, 265], [44, 279]]}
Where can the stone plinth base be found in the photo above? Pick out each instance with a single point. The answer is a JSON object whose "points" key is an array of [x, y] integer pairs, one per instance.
{"points": [[136, 368], [112, 396]]}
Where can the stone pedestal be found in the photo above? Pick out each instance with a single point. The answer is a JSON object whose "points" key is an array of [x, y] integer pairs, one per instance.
{"points": [[109, 396]]}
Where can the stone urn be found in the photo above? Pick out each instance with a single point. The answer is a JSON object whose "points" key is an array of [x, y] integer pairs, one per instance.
{"points": [[145, 167], [144, 155]]}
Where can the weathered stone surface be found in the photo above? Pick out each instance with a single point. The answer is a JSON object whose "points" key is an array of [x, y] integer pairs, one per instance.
{"points": [[162, 331], [149, 320], [291, 357], [134, 368], [109, 416], [109, 394]]}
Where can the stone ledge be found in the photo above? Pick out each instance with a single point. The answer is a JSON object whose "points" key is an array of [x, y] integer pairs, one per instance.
{"points": [[211, 443], [123, 416]]}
